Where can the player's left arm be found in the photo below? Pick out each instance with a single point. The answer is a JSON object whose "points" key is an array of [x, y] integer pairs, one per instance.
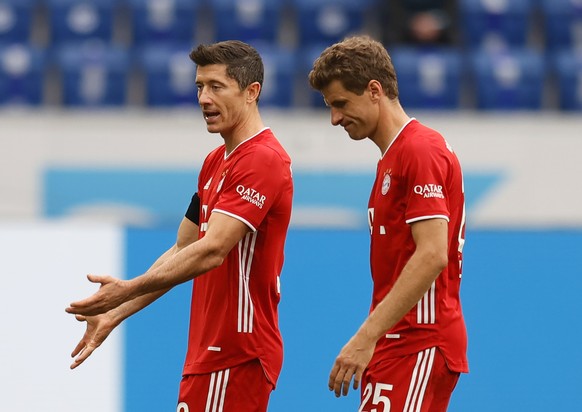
{"points": [[199, 257], [424, 266]]}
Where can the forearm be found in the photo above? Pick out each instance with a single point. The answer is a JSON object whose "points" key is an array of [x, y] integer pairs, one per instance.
{"points": [[127, 309], [124, 311], [415, 279], [179, 267]]}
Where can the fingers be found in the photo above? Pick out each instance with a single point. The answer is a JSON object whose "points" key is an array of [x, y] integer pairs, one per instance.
{"points": [[340, 378], [358, 378], [98, 278], [84, 354], [90, 306], [78, 348]]}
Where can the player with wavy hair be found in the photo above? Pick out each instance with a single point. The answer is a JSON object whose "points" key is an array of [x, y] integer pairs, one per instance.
{"points": [[409, 352]]}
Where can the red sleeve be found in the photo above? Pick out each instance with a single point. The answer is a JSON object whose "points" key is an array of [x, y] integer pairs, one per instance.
{"points": [[253, 185], [426, 168]]}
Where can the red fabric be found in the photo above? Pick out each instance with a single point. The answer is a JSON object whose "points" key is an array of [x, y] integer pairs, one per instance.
{"points": [[234, 314], [419, 177], [413, 383], [242, 388]]}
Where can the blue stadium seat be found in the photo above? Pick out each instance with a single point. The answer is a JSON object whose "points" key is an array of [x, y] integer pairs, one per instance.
{"points": [[307, 57], [508, 80], [16, 20], [169, 74], [163, 20], [567, 66], [493, 23], [280, 68], [93, 73], [74, 20], [22, 71], [247, 20], [428, 78], [563, 23], [328, 21]]}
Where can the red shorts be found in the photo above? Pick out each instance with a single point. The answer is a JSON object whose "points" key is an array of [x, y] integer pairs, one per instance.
{"points": [[415, 383], [243, 388]]}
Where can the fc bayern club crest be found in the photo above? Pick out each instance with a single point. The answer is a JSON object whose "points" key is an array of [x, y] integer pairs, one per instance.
{"points": [[386, 183]]}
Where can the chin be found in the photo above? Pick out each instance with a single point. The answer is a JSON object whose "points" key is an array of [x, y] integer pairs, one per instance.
{"points": [[212, 128]]}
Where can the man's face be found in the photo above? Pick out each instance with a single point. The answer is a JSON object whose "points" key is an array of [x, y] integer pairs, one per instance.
{"points": [[356, 114], [222, 102]]}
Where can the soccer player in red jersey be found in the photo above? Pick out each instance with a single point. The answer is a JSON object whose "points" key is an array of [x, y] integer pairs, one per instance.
{"points": [[409, 352], [230, 242]]}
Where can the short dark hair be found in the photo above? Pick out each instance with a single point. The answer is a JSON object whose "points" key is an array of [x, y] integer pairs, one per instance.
{"points": [[354, 62], [243, 62]]}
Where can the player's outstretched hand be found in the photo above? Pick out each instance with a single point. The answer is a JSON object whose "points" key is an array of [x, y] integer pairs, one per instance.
{"points": [[350, 363], [112, 293], [98, 328]]}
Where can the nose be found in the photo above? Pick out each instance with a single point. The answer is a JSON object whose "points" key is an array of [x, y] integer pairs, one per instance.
{"points": [[336, 117], [203, 97]]}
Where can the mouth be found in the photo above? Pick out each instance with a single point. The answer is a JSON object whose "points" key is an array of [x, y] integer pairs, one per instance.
{"points": [[210, 116]]}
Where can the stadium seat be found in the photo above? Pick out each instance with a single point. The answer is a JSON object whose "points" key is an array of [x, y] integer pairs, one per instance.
{"points": [[428, 78], [16, 20], [163, 20], [328, 21], [495, 23], [247, 20], [567, 66], [74, 20], [563, 23], [93, 74], [308, 55], [22, 70], [168, 73], [508, 80], [280, 69]]}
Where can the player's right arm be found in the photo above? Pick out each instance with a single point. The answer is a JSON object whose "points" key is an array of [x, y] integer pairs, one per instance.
{"points": [[100, 326]]}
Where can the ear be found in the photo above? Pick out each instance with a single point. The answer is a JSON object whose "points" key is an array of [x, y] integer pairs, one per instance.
{"points": [[375, 89], [253, 91]]}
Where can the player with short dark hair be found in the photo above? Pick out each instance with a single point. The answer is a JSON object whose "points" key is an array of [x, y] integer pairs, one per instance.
{"points": [[230, 242], [409, 352]]}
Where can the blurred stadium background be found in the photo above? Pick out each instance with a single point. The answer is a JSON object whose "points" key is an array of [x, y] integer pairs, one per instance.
{"points": [[101, 141]]}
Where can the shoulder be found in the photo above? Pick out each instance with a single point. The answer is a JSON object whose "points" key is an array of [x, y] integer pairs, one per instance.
{"points": [[265, 148], [421, 139]]}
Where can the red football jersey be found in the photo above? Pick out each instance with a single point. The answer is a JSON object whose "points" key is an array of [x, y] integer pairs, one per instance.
{"points": [[234, 307], [419, 177]]}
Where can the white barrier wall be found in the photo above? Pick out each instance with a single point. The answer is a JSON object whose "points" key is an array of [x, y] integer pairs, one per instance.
{"points": [[537, 154], [42, 270]]}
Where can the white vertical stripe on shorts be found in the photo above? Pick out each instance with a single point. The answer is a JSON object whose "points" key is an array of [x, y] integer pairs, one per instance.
{"points": [[217, 391], [420, 376]]}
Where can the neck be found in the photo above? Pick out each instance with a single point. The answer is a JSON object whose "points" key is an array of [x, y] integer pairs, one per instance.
{"points": [[392, 119], [250, 126]]}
